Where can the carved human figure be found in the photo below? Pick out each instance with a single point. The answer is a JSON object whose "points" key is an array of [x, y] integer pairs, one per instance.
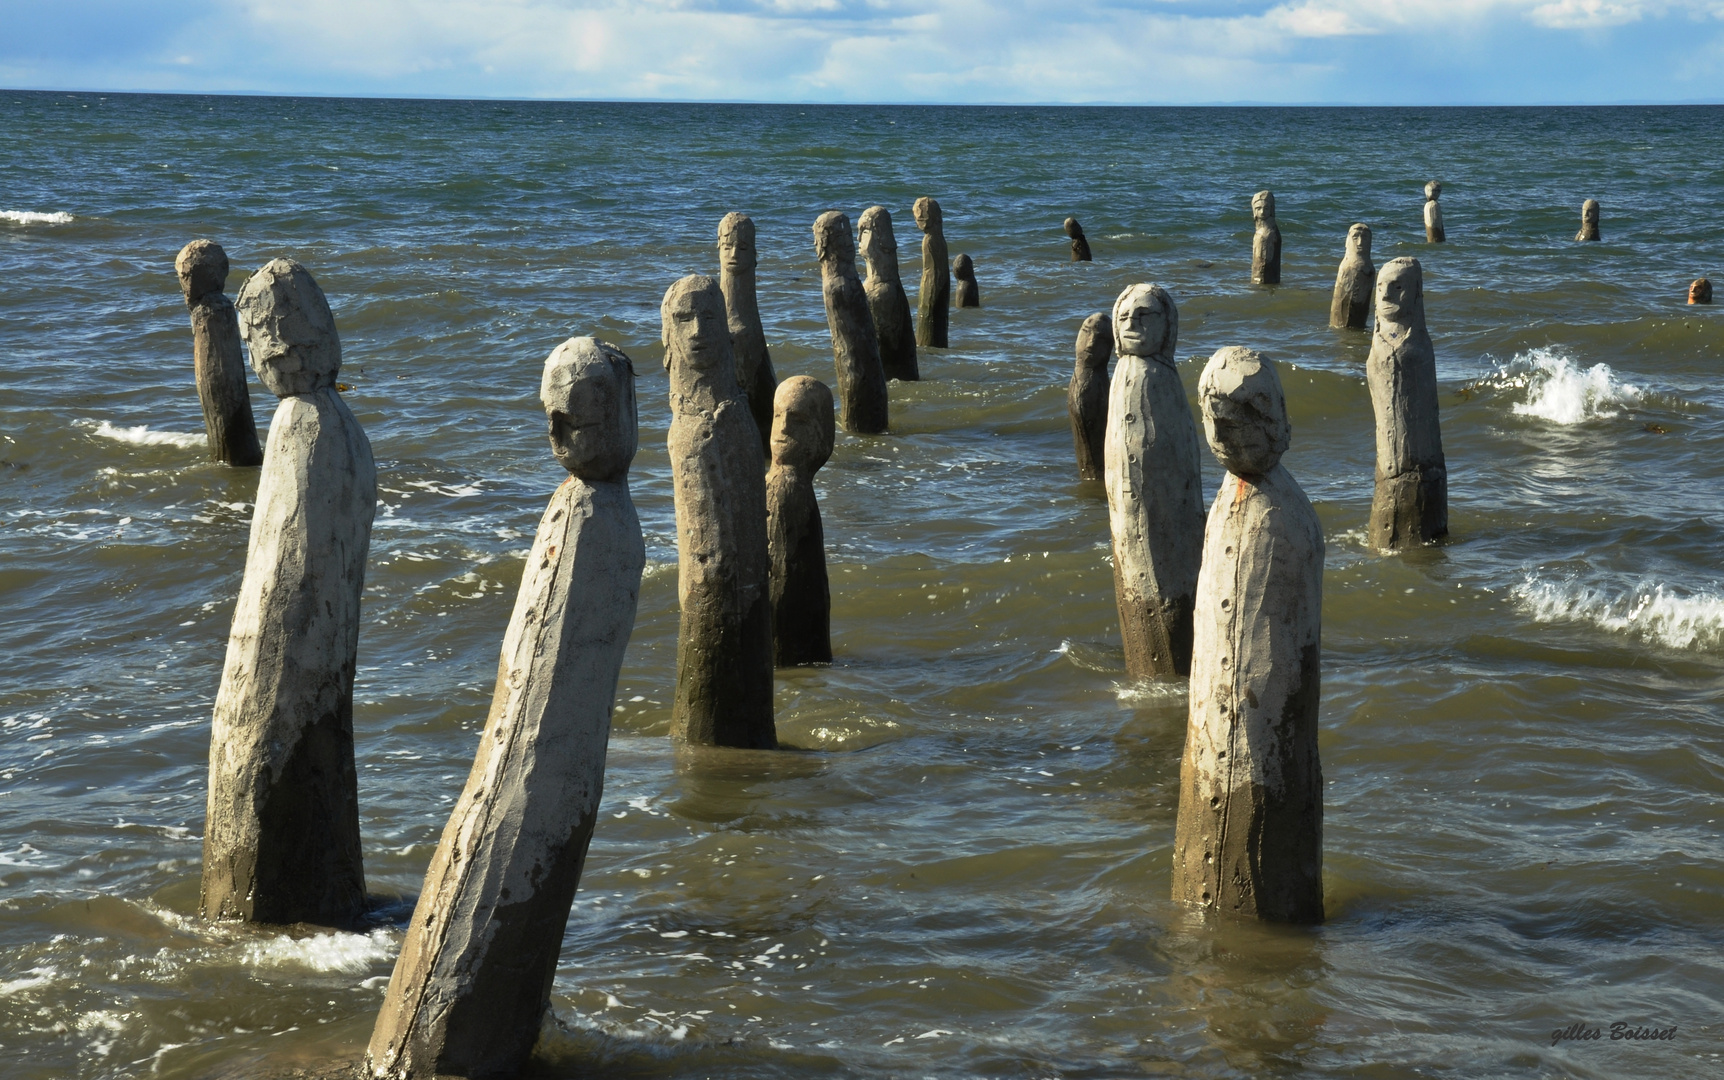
{"points": [[802, 434], [1700, 292], [1080, 242], [1588, 220], [1351, 305], [281, 839], [887, 303], [1433, 212], [473, 980], [1086, 398], [964, 293], [1154, 496], [736, 263], [217, 361], [1265, 241], [1411, 503], [1249, 834], [934, 297], [724, 640], [855, 346]]}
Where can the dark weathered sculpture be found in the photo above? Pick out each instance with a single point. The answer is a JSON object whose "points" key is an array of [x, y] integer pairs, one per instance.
{"points": [[217, 361], [1700, 292], [802, 434], [1265, 240], [736, 262], [1249, 838], [473, 980], [281, 839], [1433, 213], [886, 300], [724, 640], [1588, 220], [965, 293], [855, 346], [1411, 503], [1086, 398], [1350, 307], [1080, 242], [934, 297]]}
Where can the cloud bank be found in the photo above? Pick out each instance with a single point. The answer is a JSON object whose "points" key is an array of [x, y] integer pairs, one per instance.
{"points": [[1408, 52]]}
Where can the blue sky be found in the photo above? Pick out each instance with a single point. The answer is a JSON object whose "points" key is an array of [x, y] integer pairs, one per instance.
{"points": [[1389, 52]]}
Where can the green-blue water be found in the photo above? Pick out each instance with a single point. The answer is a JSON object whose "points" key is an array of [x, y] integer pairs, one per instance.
{"points": [[1522, 729]]}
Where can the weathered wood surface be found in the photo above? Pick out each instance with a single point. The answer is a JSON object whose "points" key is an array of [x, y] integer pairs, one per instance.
{"points": [[802, 435], [217, 360], [887, 302], [934, 297], [1350, 307], [965, 293], [1265, 240], [1154, 495], [737, 260], [1249, 835], [1080, 242], [281, 837], [473, 980], [1588, 221], [855, 347], [1433, 213], [1411, 503], [1086, 397], [724, 640], [1700, 291]]}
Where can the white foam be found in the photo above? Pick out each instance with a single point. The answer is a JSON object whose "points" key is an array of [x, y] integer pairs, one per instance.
{"points": [[33, 217], [36, 977], [143, 436], [1560, 391], [351, 954], [1647, 611]]}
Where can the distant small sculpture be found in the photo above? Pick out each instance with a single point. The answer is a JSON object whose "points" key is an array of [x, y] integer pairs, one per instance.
{"points": [[855, 346], [1588, 220], [1351, 304], [217, 361], [1433, 212], [934, 297], [802, 434], [736, 262], [473, 981], [965, 294], [1411, 502], [1266, 242], [887, 302], [1249, 836], [1700, 292], [724, 640], [281, 837], [1086, 398], [1080, 242], [1154, 493]]}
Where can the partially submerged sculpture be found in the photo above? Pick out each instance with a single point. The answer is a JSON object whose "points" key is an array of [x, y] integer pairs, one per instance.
{"points": [[1433, 212], [217, 361], [934, 297], [1411, 502], [1086, 398], [855, 346], [1249, 838], [1700, 292], [1265, 241], [736, 262], [1080, 242], [1351, 305], [1154, 499], [473, 980], [1588, 220], [802, 433], [887, 303], [724, 640], [281, 839], [964, 293]]}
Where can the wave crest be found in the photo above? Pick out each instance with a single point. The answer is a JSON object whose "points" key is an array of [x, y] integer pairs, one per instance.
{"points": [[1562, 392], [143, 436], [1648, 611], [33, 217]]}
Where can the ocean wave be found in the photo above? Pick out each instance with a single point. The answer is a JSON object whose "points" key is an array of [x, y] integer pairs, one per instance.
{"points": [[1561, 391], [143, 436], [33, 217], [351, 954], [1648, 611]]}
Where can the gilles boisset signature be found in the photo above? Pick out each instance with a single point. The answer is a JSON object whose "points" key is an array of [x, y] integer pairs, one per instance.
{"points": [[1619, 1031]]}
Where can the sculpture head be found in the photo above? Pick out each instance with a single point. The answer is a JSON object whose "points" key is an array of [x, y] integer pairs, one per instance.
{"points": [[1359, 240], [964, 268], [1700, 292], [289, 329], [1433, 191], [1095, 342], [1263, 207], [695, 330], [875, 237], [832, 239], [202, 269], [927, 213], [1244, 411], [1589, 211], [1145, 323], [736, 244], [803, 423], [1401, 292], [588, 391], [1073, 229]]}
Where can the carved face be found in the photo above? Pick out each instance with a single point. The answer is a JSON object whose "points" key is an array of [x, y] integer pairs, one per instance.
{"points": [[803, 423], [927, 213], [1263, 206], [289, 329], [1359, 241], [695, 332], [1589, 211], [588, 391], [1400, 291], [964, 268], [875, 237], [1433, 190], [736, 243], [202, 269], [1700, 292], [1244, 411], [832, 240], [1145, 322]]}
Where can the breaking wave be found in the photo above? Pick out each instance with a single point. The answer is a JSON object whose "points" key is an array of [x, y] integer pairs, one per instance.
{"points": [[1561, 391], [32, 217], [351, 954], [143, 436], [1650, 612]]}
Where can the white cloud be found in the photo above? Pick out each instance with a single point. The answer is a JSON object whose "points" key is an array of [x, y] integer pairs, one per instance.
{"points": [[1587, 14]]}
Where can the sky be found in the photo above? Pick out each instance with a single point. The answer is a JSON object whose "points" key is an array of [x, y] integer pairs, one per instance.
{"points": [[1367, 52]]}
